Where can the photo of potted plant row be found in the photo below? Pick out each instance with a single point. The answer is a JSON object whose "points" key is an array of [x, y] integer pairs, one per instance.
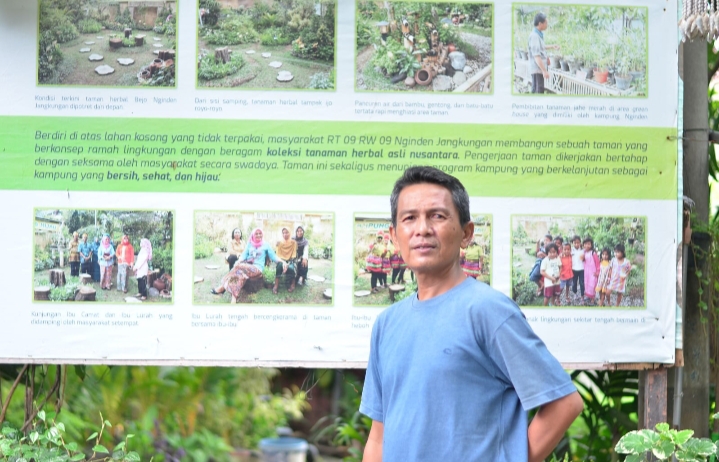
{"points": [[592, 51]]}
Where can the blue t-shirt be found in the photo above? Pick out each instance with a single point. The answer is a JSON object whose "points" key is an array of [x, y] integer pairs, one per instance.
{"points": [[452, 377]]}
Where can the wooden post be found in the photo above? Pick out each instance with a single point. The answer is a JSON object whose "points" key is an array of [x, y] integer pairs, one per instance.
{"points": [[115, 43], [85, 279], [42, 293], [128, 32], [139, 40], [653, 398], [85, 294], [222, 54], [57, 277]]}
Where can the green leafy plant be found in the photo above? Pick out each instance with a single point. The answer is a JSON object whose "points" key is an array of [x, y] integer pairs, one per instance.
{"points": [[665, 443], [89, 26], [275, 36], [321, 81], [50, 58], [46, 442], [233, 31], [269, 273], [66, 292], [128, 42], [211, 69]]}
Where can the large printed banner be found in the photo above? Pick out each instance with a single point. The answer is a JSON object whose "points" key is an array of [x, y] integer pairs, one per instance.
{"points": [[207, 181]]}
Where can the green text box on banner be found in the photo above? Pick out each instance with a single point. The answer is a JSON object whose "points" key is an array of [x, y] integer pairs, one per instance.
{"points": [[310, 157]]}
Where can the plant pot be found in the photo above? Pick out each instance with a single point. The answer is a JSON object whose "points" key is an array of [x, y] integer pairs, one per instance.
{"points": [[600, 75], [565, 65], [573, 67], [525, 54], [610, 78], [554, 62], [589, 71], [146, 74], [623, 81], [637, 75], [424, 76]]}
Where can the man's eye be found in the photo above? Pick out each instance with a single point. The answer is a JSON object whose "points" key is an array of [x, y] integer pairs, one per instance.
{"points": [[408, 218]]}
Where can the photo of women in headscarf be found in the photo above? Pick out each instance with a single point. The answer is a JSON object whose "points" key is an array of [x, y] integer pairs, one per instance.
{"points": [[381, 276], [270, 257], [110, 256]]}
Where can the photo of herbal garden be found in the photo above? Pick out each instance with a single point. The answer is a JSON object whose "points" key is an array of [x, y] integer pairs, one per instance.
{"points": [[107, 43], [265, 45], [110, 256], [417, 46], [592, 50], [608, 268], [381, 276], [263, 257]]}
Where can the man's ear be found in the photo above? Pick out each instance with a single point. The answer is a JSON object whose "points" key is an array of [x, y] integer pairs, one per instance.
{"points": [[393, 236], [468, 234]]}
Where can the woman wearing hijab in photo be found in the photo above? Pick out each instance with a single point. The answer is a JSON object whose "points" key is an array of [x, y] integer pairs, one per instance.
{"points": [[125, 258], [106, 257], [74, 258], [142, 267], [235, 247], [287, 253], [95, 260], [377, 251], [249, 266], [303, 251]]}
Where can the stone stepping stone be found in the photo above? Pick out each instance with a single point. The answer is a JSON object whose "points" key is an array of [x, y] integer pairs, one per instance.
{"points": [[132, 300], [314, 277], [157, 52], [286, 76], [95, 57], [104, 69], [99, 38], [89, 43], [276, 64], [212, 267], [362, 293], [327, 294], [85, 50], [125, 61], [266, 55], [250, 52], [199, 279], [157, 39], [158, 45]]}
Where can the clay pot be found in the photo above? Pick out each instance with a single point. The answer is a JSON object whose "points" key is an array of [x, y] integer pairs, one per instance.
{"points": [[146, 74], [159, 284], [424, 76], [600, 75]]}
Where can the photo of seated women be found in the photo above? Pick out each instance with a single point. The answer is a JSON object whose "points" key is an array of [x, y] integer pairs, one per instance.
{"points": [[285, 259]]}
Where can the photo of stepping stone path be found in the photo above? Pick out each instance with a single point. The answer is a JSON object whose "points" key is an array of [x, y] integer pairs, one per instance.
{"points": [[107, 43], [235, 45]]}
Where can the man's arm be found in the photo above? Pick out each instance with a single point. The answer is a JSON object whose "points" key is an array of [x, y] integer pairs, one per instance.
{"points": [[542, 65], [549, 425], [373, 448]]}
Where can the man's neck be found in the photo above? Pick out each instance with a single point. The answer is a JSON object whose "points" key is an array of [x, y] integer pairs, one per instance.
{"points": [[434, 284]]}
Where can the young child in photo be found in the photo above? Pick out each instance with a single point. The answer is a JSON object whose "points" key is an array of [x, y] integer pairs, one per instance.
{"points": [[550, 269], [535, 274], [559, 242], [604, 275], [619, 269], [566, 274], [577, 266], [591, 270]]}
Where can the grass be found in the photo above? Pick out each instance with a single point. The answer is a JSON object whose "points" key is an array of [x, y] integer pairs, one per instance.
{"points": [[40, 278], [308, 294], [257, 74], [77, 69]]}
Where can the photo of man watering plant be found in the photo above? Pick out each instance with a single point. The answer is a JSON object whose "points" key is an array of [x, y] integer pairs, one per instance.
{"points": [[429, 47]]}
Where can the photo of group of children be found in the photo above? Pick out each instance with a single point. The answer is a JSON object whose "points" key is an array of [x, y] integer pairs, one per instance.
{"points": [[380, 273], [578, 261]]}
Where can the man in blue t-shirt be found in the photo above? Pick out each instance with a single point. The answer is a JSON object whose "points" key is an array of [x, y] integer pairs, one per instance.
{"points": [[454, 368]]}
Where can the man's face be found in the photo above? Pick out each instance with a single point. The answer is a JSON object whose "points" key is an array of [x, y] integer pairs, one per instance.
{"points": [[428, 231], [542, 25], [577, 243]]}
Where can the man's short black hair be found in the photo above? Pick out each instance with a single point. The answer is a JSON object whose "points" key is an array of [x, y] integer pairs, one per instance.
{"points": [[539, 19], [417, 175]]}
